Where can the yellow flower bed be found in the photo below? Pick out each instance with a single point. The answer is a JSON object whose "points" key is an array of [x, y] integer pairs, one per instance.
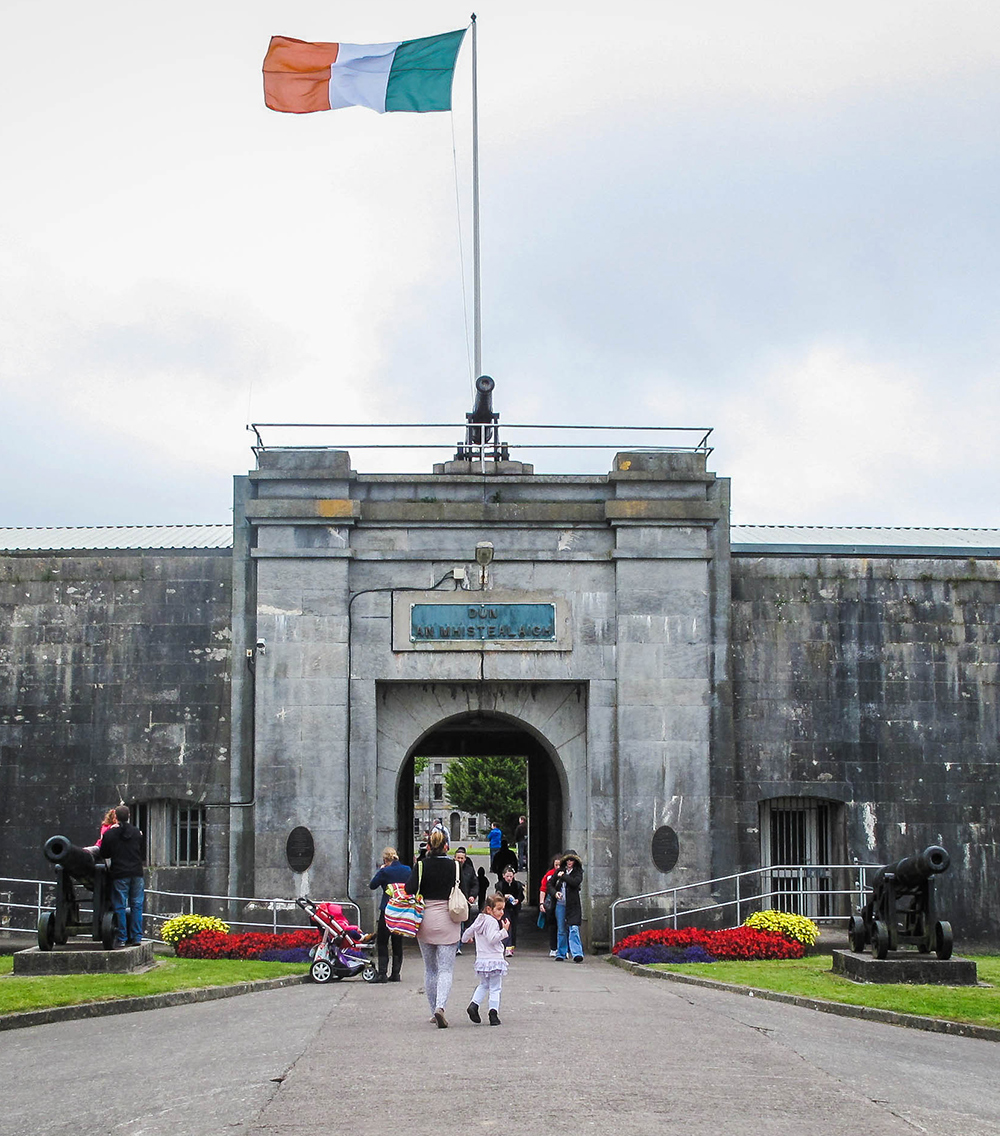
{"points": [[795, 927], [184, 926]]}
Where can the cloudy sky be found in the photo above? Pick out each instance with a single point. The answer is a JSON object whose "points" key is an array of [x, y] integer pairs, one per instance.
{"points": [[775, 219]]}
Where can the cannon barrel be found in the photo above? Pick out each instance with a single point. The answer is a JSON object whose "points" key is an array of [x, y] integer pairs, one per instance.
{"points": [[482, 410], [77, 861], [912, 871]]}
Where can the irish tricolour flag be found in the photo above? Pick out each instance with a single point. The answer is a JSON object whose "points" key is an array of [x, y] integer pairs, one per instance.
{"points": [[414, 74]]}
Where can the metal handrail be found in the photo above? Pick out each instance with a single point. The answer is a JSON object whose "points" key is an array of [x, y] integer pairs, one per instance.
{"points": [[799, 872], [698, 435], [189, 901]]}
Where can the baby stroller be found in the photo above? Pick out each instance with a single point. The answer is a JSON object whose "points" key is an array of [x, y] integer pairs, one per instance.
{"points": [[343, 951]]}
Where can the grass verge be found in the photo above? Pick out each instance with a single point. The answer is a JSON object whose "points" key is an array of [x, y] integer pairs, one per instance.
{"points": [[20, 993], [812, 977]]}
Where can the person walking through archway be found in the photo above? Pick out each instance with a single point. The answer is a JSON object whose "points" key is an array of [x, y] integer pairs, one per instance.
{"points": [[438, 935], [521, 840]]}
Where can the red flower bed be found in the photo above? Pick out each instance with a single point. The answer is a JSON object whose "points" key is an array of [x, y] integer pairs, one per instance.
{"points": [[246, 945], [735, 944]]}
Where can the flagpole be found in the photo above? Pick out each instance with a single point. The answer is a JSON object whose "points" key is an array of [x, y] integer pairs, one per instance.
{"points": [[477, 302]]}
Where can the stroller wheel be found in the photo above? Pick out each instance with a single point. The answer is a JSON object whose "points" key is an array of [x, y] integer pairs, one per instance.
{"points": [[322, 970], [370, 973]]}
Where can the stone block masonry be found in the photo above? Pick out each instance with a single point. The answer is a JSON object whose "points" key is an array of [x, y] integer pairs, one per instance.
{"points": [[114, 677]]}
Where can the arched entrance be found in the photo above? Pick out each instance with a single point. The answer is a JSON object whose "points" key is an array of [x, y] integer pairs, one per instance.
{"points": [[481, 733]]}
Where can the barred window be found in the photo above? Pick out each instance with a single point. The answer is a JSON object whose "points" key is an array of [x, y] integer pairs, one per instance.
{"points": [[173, 833], [189, 836]]}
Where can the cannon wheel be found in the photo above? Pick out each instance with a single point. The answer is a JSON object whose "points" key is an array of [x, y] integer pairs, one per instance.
{"points": [[47, 931], [370, 973], [321, 970], [944, 941], [856, 933], [880, 939], [107, 930]]}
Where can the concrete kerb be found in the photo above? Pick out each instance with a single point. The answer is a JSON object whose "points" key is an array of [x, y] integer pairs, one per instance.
{"points": [[841, 1009], [147, 1002]]}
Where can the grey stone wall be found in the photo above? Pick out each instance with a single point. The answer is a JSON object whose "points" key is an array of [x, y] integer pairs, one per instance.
{"points": [[114, 675], [874, 682]]}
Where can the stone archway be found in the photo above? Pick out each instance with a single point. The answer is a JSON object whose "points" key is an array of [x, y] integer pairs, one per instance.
{"points": [[547, 722]]}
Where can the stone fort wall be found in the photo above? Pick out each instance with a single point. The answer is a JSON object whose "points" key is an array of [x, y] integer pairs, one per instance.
{"points": [[874, 682], [870, 683], [114, 676]]}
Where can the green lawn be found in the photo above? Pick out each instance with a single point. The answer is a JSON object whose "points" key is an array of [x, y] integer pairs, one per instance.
{"points": [[812, 978], [19, 993]]}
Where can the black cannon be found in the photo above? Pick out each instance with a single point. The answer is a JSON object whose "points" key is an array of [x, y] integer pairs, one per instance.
{"points": [[77, 868], [482, 430], [901, 912]]}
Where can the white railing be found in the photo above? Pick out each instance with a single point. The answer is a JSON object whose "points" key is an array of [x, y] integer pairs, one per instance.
{"points": [[803, 889], [23, 902]]}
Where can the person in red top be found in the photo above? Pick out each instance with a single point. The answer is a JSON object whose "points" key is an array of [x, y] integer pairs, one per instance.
{"points": [[550, 916]]}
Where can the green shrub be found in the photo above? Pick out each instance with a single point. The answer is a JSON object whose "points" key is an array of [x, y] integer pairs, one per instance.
{"points": [[184, 926], [795, 927]]}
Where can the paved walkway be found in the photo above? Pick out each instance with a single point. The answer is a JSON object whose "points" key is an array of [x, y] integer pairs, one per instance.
{"points": [[583, 1048]]}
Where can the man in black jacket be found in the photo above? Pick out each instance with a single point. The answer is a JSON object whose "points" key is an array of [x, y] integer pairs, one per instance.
{"points": [[122, 845]]}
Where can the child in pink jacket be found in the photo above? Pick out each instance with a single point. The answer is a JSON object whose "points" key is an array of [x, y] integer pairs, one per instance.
{"points": [[489, 931]]}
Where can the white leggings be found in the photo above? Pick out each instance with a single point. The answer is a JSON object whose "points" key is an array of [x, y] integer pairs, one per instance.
{"points": [[489, 984], [439, 966]]}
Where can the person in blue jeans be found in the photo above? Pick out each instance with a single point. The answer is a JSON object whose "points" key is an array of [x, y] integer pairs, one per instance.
{"points": [[122, 846], [564, 886]]}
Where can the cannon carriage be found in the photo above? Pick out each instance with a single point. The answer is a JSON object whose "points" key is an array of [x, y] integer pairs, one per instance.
{"points": [[78, 871], [901, 909]]}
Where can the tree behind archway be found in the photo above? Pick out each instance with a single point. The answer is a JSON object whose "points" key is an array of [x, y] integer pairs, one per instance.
{"points": [[496, 786]]}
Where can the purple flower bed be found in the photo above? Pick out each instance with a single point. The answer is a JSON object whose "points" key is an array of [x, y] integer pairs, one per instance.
{"points": [[296, 954], [659, 953]]}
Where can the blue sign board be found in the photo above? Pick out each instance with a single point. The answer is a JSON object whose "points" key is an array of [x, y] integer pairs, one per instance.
{"points": [[498, 621]]}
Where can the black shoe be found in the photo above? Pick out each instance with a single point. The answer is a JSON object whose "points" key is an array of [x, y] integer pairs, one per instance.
{"points": [[394, 978], [442, 1021], [380, 978], [473, 1011], [578, 958], [494, 1018]]}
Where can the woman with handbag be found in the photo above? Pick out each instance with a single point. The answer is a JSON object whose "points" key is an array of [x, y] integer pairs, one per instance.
{"points": [[439, 932], [391, 872]]}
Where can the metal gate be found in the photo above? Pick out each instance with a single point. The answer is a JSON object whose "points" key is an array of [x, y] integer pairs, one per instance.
{"points": [[796, 834]]}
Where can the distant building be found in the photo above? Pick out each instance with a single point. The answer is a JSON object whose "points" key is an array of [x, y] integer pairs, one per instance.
{"points": [[430, 801]]}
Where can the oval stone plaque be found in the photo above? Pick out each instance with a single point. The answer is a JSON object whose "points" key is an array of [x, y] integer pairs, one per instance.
{"points": [[300, 849], [665, 848]]}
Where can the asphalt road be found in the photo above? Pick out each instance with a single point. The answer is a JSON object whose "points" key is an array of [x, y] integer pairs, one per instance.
{"points": [[583, 1048]]}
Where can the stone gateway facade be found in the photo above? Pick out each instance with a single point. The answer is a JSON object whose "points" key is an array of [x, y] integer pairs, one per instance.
{"points": [[688, 707]]}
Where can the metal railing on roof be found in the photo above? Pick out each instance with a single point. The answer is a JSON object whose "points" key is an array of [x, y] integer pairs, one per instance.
{"points": [[646, 439]]}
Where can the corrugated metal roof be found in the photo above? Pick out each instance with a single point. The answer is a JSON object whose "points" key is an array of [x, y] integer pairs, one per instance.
{"points": [[764, 539], [101, 537]]}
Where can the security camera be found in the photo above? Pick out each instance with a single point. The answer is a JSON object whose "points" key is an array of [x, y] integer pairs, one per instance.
{"points": [[262, 646]]}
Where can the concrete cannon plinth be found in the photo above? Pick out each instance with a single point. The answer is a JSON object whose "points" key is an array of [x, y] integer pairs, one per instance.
{"points": [[904, 966], [83, 958]]}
